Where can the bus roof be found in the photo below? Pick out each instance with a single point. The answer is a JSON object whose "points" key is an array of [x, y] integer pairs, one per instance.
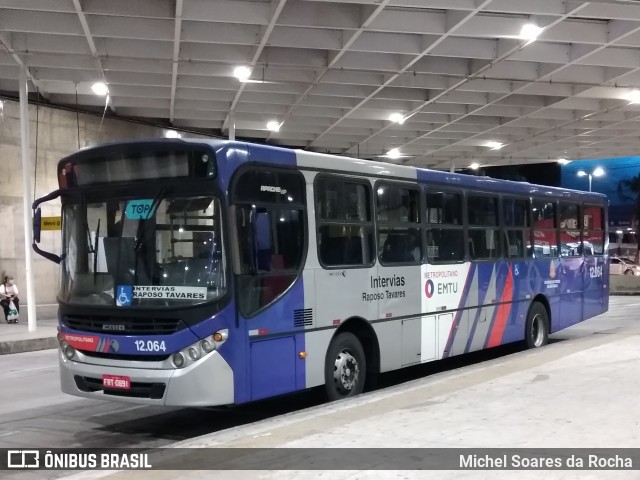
{"points": [[341, 164]]}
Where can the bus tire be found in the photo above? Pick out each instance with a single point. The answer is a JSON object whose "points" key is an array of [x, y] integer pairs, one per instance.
{"points": [[536, 332], [345, 367]]}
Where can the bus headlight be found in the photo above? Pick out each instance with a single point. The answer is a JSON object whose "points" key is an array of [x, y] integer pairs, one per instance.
{"points": [[194, 353], [178, 359], [207, 345], [69, 351]]}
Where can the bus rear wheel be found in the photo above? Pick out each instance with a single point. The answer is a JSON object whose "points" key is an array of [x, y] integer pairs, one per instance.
{"points": [[537, 327], [345, 367]]}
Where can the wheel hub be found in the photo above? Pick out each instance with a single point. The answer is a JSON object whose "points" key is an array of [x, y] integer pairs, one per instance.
{"points": [[537, 330], [346, 371]]}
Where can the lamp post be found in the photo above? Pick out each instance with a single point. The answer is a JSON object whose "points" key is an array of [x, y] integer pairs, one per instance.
{"points": [[598, 172]]}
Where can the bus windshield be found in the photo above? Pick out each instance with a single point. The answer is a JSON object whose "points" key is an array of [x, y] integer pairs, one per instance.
{"points": [[142, 252]]}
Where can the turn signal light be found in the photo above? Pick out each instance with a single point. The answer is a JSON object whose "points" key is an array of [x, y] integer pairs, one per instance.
{"points": [[220, 336]]}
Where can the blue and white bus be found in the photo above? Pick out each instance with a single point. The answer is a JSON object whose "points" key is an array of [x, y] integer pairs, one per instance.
{"points": [[201, 272]]}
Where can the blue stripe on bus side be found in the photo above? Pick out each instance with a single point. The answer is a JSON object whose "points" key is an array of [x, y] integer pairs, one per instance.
{"points": [[485, 272], [460, 313]]}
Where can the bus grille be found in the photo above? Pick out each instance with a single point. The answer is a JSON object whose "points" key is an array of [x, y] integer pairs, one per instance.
{"points": [[123, 325], [303, 317], [115, 356]]}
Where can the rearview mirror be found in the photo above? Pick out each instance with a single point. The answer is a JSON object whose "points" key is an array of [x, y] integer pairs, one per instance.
{"points": [[37, 219]]}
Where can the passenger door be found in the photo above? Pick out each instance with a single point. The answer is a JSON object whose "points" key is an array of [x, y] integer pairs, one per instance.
{"points": [[270, 238]]}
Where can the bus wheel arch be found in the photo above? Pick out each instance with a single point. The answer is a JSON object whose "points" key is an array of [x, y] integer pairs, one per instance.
{"points": [[365, 334], [538, 323]]}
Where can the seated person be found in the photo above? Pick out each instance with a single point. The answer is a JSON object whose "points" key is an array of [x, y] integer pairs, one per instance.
{"points": [[8, 294]]}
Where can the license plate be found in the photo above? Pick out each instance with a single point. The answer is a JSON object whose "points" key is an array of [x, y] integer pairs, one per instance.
{"points": [[116, 382]]}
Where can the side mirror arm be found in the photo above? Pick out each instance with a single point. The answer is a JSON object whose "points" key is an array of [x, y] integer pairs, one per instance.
{"points": [[37, 215]]}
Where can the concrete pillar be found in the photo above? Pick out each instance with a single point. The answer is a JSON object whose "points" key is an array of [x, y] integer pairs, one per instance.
{"points": [[26, 197]]}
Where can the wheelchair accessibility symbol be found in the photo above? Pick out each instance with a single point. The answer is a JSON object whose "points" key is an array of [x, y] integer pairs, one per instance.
{"points": [[124, 295]]}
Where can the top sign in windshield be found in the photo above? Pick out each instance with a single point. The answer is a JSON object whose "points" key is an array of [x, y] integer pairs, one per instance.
{"points": [[140, 209]]}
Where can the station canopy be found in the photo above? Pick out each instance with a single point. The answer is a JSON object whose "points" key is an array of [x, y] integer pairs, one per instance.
{"points": [[419, 82]]}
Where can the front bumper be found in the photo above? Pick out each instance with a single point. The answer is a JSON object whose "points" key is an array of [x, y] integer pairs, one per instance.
{"points": [[207, 382]]}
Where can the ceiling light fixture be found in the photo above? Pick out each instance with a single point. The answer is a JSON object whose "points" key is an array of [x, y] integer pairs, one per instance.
{"points": [[563, 161], [530, 32], [397, 118], [394, 153], [171, 134], [273, 125], [242, 73], [494, 145], [474, 166], [100, 88], [633, 96]]}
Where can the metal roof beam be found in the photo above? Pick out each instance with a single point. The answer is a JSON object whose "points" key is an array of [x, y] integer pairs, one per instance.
{"points": [[365, 23], [275, 14], [549, 73], [92, 47], [4, 41], [177, 32]]}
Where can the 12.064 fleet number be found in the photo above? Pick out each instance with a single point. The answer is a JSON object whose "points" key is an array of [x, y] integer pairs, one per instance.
{"points": [[595, 272], [150, 346]]}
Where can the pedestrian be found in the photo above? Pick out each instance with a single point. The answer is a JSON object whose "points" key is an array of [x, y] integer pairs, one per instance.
{"points": [[8, 295]]}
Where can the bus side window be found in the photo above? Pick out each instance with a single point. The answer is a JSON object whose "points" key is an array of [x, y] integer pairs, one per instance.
{"points": [[570, 230], [545, 221], [484, 242], [399, 233], [517, 231], [445, 235], [344, 222], [593, 230]]}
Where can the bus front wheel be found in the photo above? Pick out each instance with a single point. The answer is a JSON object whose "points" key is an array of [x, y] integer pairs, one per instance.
{"points": [[345, 367], [537, 328]]}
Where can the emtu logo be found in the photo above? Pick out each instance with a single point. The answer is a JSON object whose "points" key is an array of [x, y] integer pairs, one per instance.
{"points": [[429, 288]]}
